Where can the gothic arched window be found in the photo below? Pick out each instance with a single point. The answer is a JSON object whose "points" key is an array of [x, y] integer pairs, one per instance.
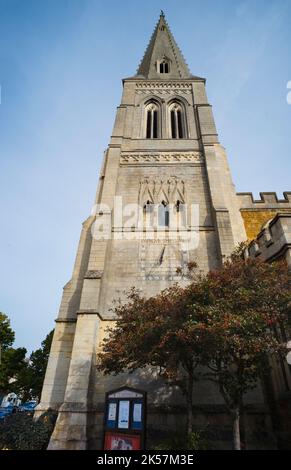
{"points": [[148, 207], [177, 121], [163, 66], [152, 120], [181, 216], [148, 214], [163, 215]]}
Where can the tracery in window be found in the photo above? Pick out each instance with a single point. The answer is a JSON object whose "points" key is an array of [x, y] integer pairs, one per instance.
{"points": [[152, 116], [177, 121]]}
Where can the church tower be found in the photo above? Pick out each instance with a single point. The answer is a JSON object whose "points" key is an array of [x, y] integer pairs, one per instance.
{"points": [[164, 164]]}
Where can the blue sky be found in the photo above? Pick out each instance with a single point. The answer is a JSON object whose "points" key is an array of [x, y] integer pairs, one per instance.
{"points": [[61, 65]]}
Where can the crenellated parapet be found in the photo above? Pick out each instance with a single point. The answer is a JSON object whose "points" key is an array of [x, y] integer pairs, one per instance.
{"points": [[268, 200], [274, 240], [256, 212]]}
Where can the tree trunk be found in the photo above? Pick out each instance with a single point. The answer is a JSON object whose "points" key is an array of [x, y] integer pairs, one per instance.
{"points": [[190, 406], [236, 430]]}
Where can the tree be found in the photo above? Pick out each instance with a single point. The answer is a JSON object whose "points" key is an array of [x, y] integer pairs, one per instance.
{"points": [[30, 379], [6, 333], [38, 363], [251, 302], [224, 320], [157, 332], [19, 374], [12, 360]]}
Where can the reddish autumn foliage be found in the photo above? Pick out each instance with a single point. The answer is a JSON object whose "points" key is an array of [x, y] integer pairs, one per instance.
{"points": [[225, 321]]}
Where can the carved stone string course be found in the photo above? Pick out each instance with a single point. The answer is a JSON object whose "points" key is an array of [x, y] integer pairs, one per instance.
{"points": [[160, 158], [163, 88]]}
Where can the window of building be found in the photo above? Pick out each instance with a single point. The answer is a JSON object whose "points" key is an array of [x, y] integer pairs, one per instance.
{"points": [[148, 207], [177, 121], [181, 215], [163, 66], [148, 214], [163, 215], [152, 125]]}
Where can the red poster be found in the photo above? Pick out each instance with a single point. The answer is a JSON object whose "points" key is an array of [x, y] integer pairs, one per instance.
{"points": [[114, 441]]}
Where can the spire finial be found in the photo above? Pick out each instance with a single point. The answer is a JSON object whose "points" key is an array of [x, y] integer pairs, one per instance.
{"points": [[162, 14]]}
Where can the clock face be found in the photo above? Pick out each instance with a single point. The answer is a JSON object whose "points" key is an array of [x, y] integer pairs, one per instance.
{"points": [[160, 259]]}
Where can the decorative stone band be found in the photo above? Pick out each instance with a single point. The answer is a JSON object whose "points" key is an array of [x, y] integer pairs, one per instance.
{"points": [[164, 86], [93, 275], [161, 158], [173, 91]]}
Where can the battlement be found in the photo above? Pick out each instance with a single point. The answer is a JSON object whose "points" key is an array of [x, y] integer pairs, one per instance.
{"points": [[274, 240], [268, 200]]}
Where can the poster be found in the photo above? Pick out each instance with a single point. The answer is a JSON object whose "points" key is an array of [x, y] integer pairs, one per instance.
{"points": [[123, 415], [121, 442], [137, 412], [112, 412]]}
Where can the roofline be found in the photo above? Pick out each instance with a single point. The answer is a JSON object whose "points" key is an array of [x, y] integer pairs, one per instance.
{"points": [[193, 78]]}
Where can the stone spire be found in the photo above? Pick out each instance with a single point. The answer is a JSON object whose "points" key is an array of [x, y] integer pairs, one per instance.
{"points": [[163, 47]]}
